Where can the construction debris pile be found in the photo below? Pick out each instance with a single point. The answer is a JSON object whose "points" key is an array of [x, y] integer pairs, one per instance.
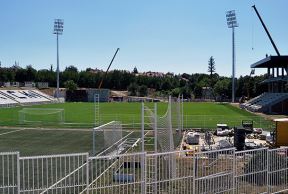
{"points": [[243, 137]]}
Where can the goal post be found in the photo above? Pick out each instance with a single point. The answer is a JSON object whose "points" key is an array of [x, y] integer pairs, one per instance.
{"points": [[96, 110], [41, 115], [107, 138]]}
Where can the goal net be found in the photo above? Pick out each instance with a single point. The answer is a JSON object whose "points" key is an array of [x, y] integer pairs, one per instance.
{"points": [[41, 115], [107, 139], [167, 132], [167, 126]]}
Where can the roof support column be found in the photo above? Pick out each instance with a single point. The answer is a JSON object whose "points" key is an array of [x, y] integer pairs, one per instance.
{"points": [[277, 72]]}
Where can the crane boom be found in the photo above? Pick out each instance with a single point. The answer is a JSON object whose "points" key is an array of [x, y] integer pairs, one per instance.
{"points": [[108, 68], [266, 30]]}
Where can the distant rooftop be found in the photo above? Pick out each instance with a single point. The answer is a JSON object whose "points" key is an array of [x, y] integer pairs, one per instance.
{"points": [[271, 61]]}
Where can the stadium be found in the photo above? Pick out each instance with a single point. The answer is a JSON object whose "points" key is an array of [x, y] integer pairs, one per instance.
{"points": [[134, 146], [78, 139]]}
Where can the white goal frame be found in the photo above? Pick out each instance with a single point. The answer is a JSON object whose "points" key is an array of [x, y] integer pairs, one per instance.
{"points": [[41, 111], [112, 134]]}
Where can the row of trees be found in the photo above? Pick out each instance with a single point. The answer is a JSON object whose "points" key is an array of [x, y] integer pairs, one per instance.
{"points": [[190, 85]]}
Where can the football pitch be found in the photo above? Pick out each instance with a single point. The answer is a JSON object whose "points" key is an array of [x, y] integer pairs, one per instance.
{"points": [[83, 115], [75, 134]]}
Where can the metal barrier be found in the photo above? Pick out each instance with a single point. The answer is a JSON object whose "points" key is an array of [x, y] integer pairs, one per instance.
{"points": [[251, 171], [53, 174], [117, 174], [169, 172], [216, 171], [9, 172], [277, 170]]}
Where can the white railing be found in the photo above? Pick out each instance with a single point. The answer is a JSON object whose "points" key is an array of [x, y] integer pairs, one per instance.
{"points": [[9, 172], [218, 171], [53, 173]]}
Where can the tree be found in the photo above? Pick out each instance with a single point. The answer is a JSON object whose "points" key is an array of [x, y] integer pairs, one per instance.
{"points": [[135, 71], [70, 85], [143, 91], [223, 87], [211, 66], [176, 92], [21, 75], [30, 73], [166, 84], [44, 75], [186, 91], [70, 73], [132, 89]]}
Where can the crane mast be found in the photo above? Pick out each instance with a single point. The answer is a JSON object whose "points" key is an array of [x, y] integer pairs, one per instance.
{"points": [[266, 30], [99, 87]]}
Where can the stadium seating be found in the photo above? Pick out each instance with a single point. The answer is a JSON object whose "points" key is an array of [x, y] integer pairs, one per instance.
{"points": [[264, 102], [10, 98]]}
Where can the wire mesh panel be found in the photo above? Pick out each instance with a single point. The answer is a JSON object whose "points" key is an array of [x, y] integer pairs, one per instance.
{"points": [[177, 113], [213, 171], [107, 139], [166, 125], [251, 171], [278, 170], [9, 172], [53, 174], [117, 174], [161, 177]]}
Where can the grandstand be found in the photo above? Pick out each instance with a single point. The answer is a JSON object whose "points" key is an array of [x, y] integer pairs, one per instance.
{"points": [[275, 100], [10, 98]]}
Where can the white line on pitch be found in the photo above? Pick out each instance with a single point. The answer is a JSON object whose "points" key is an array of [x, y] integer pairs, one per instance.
{"points": [[11, 131]]}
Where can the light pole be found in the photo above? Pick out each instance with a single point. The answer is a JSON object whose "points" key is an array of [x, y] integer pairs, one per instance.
{"points": [[232, 23], [58, 30]]}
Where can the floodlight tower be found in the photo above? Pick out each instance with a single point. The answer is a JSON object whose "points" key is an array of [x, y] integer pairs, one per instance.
{"points": [[58, 30], [232, 23]]}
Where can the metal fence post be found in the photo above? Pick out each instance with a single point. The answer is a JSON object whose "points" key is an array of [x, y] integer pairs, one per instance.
{"points": [[194, 174], [267, 177], [143, 172], [18, 173], [142, 128], [93, 143], [87, 173], [155, 146], [234, 171]]}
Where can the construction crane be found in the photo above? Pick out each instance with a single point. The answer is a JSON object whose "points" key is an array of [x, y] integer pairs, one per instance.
{"points": [[280, 134], [266, 30], [100, 84]]}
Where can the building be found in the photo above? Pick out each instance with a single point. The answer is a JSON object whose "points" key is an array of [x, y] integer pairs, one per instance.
{"points": [[275, 100]]}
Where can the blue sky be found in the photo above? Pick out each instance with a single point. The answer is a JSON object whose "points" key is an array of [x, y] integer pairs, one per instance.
{"points": [[157, 35]]}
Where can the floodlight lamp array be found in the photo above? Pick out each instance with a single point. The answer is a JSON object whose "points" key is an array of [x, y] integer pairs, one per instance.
{"points": [[58, 26], [231, 19]]}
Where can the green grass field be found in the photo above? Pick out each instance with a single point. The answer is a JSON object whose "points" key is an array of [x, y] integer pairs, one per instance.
{"points": [[50, 141], [40, 142], [81, 115]]}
